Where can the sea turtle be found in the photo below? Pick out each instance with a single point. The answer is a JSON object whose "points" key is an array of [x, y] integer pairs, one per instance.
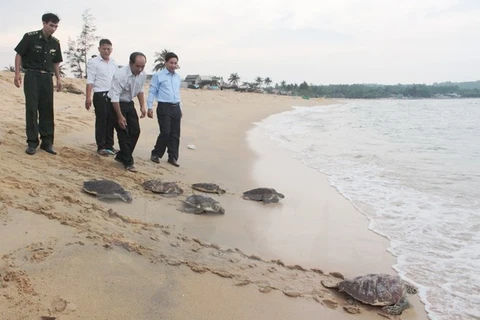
{"points": [[106, 189], [267, 195], [208, 187], [375, 289], [199, 203], [167, 189]]}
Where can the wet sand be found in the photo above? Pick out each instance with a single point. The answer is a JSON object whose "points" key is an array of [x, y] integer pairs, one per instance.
{"points": [[67, 255]]}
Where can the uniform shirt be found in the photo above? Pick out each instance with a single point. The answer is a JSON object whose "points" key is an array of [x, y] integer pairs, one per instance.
{"points": [[125, 85], [100, 73], [164, 87], [38, 52]]}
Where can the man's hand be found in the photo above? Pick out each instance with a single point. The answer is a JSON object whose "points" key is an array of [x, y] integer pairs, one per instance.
{"points": [[143, 111], [18, 80], [122, 122], [150, 113], [59, 85], [88, 104]]}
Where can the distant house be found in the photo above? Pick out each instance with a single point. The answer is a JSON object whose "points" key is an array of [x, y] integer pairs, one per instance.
{"points": [[206, 79], [193, 79]]}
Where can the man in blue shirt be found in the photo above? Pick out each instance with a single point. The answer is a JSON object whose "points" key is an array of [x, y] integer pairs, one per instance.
{"points": [[165, 88]]}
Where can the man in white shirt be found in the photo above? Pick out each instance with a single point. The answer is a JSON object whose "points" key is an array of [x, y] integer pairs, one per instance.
{"points": [[100, 71], [127, 83]]}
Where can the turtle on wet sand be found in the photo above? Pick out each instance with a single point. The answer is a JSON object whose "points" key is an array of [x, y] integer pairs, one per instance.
{"points": [[208, 187], [166, 189], [199, 203], [267, 195], [375, 289], [106, 189]]}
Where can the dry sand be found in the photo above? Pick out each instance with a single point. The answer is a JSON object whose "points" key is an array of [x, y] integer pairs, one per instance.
{"points": [[67, 255]]}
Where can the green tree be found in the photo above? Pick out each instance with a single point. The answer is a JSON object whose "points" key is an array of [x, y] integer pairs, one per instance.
{"points": [[258, 81], [78, 50], [160, 60], [267, 81], [304, 87], [61, 69], [11, 68], [234, 78]]}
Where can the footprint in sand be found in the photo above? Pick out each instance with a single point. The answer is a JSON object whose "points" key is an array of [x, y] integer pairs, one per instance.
{"points": [[330, 303], [61, 305]]}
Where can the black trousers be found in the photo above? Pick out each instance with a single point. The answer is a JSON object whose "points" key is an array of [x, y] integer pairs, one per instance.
{"points": [[104, 123], [169, 117], [39, 115], [127, 138]]}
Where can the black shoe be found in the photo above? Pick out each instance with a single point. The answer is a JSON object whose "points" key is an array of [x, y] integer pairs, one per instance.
{"points": [[48, 149], [173, 162], [31, 151], [155, 159]]}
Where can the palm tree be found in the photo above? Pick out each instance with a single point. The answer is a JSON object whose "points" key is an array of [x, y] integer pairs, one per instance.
{"points": [[11, 68], [160, 60], [283, 84], [259, 81], [61, 70], [267, 81], [234, 78]]}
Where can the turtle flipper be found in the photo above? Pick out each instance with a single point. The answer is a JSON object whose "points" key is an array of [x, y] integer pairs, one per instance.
{"points": [[330, 284], [397, 308], [273, 199], [187, 208], [126, 196], [102, 196]]}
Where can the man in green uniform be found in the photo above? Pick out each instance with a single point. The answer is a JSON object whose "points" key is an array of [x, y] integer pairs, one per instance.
{"points": [[39, 54]]}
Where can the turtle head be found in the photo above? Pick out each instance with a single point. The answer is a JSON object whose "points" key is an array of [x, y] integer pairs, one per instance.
{"points": [[331, 284], [410, 289], [221, 191], [218, 208], [280, 195], [126, 196]]}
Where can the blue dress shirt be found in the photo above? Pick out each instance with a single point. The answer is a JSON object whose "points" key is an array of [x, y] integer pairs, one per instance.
{"points": [[164, 87]]}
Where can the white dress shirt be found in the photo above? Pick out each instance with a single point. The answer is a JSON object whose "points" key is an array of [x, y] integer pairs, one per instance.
{"points": [[125, 85], [100, 73]]}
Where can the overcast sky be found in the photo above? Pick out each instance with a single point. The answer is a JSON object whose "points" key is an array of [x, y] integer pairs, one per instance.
{"points": [[321, 42]]}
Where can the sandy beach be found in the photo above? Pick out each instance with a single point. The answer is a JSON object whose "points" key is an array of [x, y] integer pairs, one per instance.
{"points": [[67, 255]]}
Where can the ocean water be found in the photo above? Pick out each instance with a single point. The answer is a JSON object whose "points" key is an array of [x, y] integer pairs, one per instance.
{"points": [[413, 168]]}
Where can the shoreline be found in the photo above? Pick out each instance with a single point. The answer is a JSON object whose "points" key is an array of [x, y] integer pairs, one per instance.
{"points": [[352, 240], [70, 255]]}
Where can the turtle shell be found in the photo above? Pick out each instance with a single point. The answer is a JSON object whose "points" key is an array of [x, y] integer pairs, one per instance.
{"points": [[104, 188], [374, 289], [165, 188], [259, 193], [208, 187], [204, 202], [267, 195]]}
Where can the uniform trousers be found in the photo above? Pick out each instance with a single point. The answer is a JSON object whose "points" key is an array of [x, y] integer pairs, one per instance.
{"points": [[39, 114]]}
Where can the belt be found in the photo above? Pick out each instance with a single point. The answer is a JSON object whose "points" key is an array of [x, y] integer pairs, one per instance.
{"points": [[38, 70], [102, 93], [176, 104]]}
